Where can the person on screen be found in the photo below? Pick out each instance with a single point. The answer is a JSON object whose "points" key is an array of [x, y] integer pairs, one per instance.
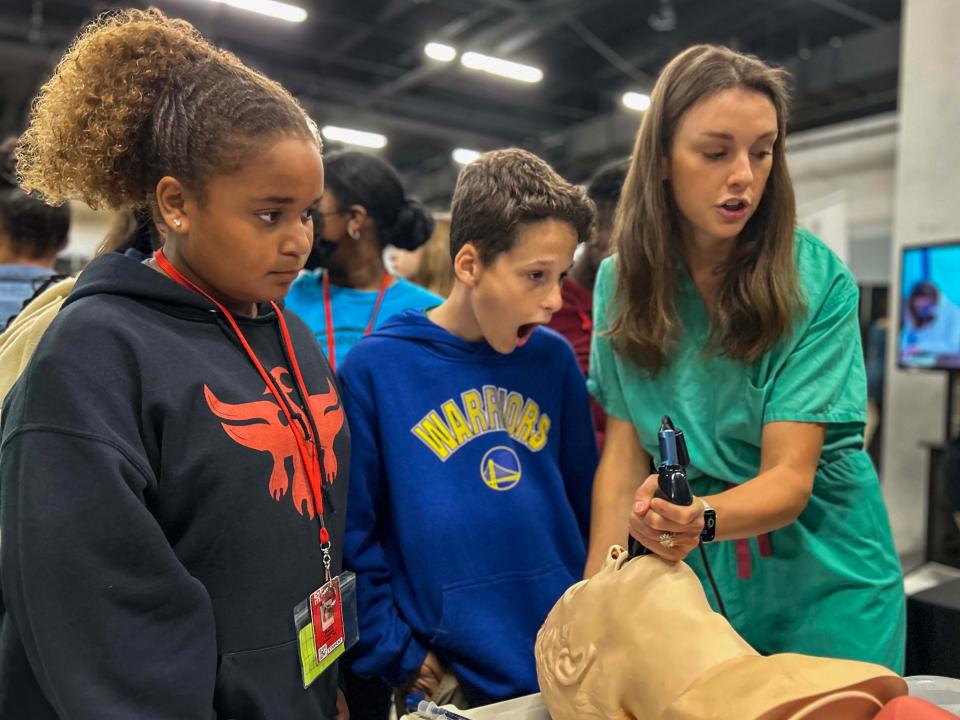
{"points": [[931, 323]]}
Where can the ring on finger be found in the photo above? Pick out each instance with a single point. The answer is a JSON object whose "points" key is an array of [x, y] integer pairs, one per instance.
{"points": [[667, 539]]}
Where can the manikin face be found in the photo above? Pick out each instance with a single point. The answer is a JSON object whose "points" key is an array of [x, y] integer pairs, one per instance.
{"points": [[601, 638], [720, 160], [520, 288], [247, 239], [639, 640]]}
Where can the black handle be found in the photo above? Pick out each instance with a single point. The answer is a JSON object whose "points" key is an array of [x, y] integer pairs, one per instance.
{"points": [[672, 487]]}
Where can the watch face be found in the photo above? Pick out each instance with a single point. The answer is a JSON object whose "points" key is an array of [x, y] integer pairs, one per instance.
{"points": [[709, 525]]}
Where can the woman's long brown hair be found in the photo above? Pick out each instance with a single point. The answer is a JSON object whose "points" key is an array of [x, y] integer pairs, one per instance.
{"points": [[759, 294]]}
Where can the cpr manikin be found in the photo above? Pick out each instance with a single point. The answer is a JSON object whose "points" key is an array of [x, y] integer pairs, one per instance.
{"points": [[639, 640]]}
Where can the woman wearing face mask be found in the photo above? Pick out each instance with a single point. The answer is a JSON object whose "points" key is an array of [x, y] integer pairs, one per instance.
{"points": [[718, 311], [349, 294], [931, 323]]}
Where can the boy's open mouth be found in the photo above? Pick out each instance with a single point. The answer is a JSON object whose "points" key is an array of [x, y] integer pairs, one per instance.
{"points": [[524, 332]]}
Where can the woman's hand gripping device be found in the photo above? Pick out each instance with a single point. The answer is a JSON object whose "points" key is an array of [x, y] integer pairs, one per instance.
{"points": [[672, 474]]}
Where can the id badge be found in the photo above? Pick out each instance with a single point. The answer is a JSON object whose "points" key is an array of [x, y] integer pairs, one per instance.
{"points": [[326, 625]]}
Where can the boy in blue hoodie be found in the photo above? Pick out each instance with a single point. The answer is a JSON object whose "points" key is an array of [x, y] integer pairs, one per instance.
{"points": [[473, 448]]}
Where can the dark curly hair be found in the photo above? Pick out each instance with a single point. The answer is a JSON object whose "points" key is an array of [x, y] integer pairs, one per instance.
{"points": [[34, 229], [503, 189], [139, 96]]}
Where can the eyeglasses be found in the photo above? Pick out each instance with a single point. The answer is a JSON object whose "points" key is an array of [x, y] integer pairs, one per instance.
{"points": [[318, 220]]}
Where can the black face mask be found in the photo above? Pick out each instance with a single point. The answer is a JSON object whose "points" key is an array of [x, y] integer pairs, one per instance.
{"points": [[320, 253]]}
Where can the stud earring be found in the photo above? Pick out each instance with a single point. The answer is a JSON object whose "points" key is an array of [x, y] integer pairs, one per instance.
{"points": [[353, 233], [176, 222]]}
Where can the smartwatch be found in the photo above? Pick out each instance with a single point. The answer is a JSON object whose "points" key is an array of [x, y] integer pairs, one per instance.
{"points": [[709, 532]]}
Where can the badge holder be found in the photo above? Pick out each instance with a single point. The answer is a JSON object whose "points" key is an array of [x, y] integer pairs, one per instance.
{"points": [[326, 622]]}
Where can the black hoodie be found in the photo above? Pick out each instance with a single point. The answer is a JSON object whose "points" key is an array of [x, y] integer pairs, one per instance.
{"points": [[157, 528]]}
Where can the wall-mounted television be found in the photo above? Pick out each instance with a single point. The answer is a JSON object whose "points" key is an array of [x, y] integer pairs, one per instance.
{"points": [[930, 307]]}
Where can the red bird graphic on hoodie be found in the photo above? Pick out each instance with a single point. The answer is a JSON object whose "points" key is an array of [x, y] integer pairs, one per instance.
{"points": [[265, 429]]}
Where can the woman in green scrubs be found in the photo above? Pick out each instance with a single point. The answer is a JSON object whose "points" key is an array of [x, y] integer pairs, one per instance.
{"points": [[718, 311]]}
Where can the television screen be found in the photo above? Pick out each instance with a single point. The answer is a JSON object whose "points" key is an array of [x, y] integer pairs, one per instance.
{"points": [[930, 307]]}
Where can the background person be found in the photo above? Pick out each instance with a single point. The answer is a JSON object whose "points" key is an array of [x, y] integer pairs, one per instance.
{"points": [[574, 320], [363, 209], [931, 322], [32, 234], [430, 265]]}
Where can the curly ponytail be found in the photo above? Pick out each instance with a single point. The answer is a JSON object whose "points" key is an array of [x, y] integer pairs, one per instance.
{"points": [[139, 96]]}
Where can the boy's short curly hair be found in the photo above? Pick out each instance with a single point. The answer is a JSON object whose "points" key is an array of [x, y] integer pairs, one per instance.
{"points": [[503, 189], [139, 96]]}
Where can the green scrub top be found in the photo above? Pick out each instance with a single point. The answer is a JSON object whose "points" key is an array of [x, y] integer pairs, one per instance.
{"points": [[830, 583]]}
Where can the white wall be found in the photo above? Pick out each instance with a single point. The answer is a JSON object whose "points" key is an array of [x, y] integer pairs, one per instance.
{"points": [[926, 210], [854, 161]]}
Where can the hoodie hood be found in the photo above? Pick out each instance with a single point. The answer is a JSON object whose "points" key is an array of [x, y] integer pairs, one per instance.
{"points": [[126, 275], [415, 326]]}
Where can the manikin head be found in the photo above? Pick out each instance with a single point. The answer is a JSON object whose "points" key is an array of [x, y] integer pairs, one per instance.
{"points": [[640, 641]]}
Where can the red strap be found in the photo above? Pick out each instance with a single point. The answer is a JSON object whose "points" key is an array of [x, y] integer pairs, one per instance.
{"points": [[744, 563], [384, 284], [328, 315], [743, 558], [586, 322], [308, 450]]}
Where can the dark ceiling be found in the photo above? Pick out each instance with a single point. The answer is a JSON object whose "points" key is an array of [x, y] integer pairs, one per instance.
{"points": [[360, 63]]}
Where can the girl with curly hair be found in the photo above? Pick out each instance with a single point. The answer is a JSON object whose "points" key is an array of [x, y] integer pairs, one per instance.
{"points": [[175, 458]]}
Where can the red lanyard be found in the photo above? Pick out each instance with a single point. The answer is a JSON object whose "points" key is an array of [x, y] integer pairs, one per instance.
{"points": [[328, 314], [305, 443]]}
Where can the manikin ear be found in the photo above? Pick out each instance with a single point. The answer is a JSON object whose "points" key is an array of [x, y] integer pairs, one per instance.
{"points": [[467, 265], [172, 200], [571, 667]]}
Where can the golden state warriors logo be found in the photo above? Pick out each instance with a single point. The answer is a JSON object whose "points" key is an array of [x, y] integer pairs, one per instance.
{"points": [[500, 468]]}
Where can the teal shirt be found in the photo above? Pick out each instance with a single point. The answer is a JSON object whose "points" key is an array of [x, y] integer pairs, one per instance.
{"points": [[832, 585], [352, 309]]}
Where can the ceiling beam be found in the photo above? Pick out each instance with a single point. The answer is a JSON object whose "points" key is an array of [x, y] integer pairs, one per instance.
{"points": [[346, 114], [532, 23], [842, 8]]}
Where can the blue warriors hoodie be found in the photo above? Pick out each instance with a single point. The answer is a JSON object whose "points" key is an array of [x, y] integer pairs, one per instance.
{"points": [[469, 499], [157, 524]]}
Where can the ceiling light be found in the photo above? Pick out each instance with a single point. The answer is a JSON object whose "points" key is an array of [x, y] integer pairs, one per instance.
{"points": [[665, 20], [503, 68], [354, 137], [282, 11], [463, 156], [439, 51], [635, 101]]}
